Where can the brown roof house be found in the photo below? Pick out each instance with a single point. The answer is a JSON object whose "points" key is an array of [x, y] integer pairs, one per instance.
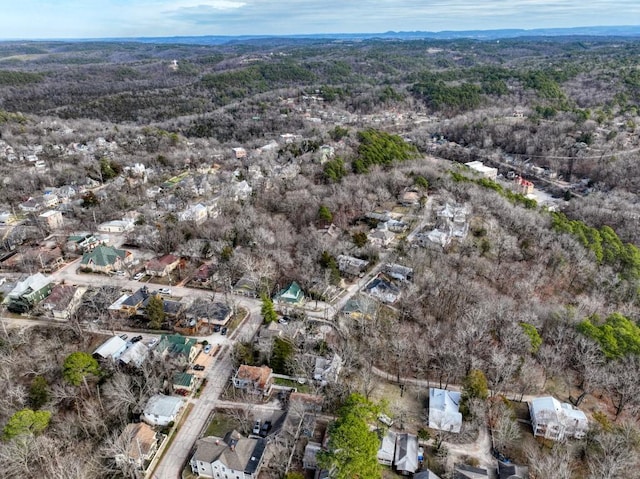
{"points": [[162, 266], [63, 301], [140, 443], [254, 379], [231, 457]]}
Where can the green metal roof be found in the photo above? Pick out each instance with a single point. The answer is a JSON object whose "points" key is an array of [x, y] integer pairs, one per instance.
{"points": [[183, 379], [103, 256]]}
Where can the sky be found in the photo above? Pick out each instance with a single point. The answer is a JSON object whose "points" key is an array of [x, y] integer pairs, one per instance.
{"points": [[39, 19]]}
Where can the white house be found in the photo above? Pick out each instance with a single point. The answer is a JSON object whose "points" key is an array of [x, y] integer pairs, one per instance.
{"points": [[485, 171], [386, 453], [406, 454], [554, 420], [111, 348], [327, 371], [444, 410], [162, 410], [116, 226], [231, 457]]}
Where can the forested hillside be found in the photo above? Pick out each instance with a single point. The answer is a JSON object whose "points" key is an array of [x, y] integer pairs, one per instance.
{"points": [[298, 150]]}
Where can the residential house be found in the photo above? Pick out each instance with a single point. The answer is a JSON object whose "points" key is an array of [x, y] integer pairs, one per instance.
{"points": [[208, 313], [383, 290], [52, 219], [172, 309], [327, 371], [360, 307], [112, 348], [82, 243], [399, 272], [197, 213], [247, 286], [512, 471], [140, 442], [184, 382], [292, 295], [326, 153], [179, 346], [231, 457], [522, 186], [394, 226], [387, 451], [483, 170], [47, 257], [444, 411], [105, 259], [130, 306], [267, 335], [28, 293], [63, 301], [239, 152], [32, 205], [454, 219], [381, 237], [462, 471], [558, 421], [135, 355], [435, 237], [116, 226], [425, 475], [310, 458], [309, 403], [8, 219], [406, 454], [162, 266], [254, 379], [351, 265], [240, 191], [50, 200], [203, 274], [409, 198], [162, 410]]}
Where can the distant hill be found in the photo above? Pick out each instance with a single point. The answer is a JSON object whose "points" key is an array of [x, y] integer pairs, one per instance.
{"points": [[603, 31]]}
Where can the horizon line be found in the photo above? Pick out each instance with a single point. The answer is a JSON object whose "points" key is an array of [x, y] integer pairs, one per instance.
{"points": [[323, 34]]}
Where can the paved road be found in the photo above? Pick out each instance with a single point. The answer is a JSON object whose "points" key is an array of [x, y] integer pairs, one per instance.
{"points": [[178, 453], [217, 378]]}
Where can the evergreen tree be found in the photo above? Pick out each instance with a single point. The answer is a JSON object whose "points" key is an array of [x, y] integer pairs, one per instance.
{"points": [[155, 311]]}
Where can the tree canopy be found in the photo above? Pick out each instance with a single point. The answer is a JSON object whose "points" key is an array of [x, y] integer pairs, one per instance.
{"points": [[380, 148], [79, 365], [26, 421], [267, 310], [155, 311], [618, 336], [353, 446]]}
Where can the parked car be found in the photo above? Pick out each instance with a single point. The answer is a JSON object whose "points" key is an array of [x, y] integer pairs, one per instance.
{"points": [[283, 321], [223, 331], [153, 342], [124, 336], [256, 427], [198, 367], [135, 339], [216, 328], [386, 420], [119, 273], [138, 276], [207, 349], [266, 427], [164, 291]]}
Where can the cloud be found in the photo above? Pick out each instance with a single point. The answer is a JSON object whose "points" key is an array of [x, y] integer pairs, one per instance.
{"points": [[103, 18]]}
